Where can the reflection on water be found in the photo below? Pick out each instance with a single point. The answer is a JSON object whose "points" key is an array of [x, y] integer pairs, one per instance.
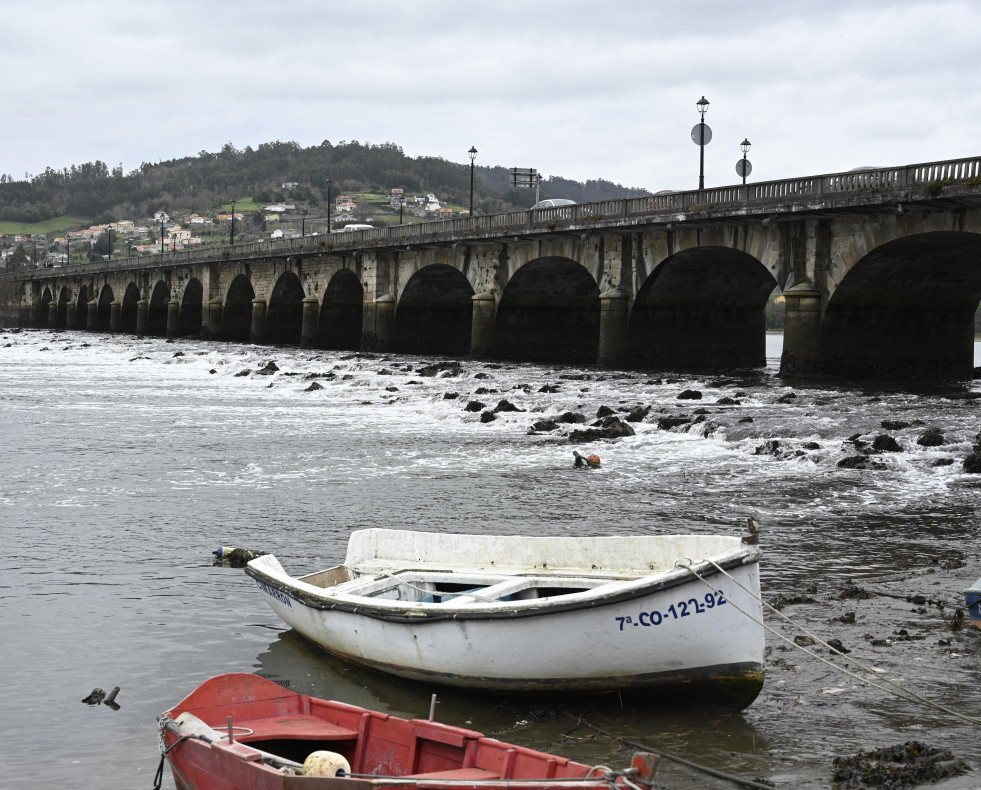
{"points": [[125, 465], [549, 725]]}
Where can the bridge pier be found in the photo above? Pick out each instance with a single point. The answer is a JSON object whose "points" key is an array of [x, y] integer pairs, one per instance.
{"points": [[482, 324], [614, 319], [802, 331], [211, 319], [115, 316], [92, 316], [142, 316], [257, 333], [173, 318], [378, 332], [310, 322], [53, 315]]}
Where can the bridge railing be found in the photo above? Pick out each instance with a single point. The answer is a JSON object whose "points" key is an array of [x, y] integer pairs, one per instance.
{"points": [[659, 207]]}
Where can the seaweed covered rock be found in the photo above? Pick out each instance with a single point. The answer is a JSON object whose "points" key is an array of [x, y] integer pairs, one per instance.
{"points": [[884, 443], [610, 428], [667, 423], [972, 464], [446, 368], [931, 437], [893, 767], [544, 425], [638, 413]]}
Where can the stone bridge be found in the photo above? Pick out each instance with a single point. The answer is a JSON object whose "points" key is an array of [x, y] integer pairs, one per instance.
{"points": [[881, 271]]}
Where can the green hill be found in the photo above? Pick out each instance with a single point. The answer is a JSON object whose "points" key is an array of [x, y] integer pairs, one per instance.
{"points": [[56, 200]]}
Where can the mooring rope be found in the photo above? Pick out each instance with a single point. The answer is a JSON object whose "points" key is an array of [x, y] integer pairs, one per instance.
{"points": [[754, 785], [910, 694]]}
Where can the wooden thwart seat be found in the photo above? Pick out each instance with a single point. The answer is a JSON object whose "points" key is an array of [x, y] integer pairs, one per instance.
{"points": [[296, 726]]}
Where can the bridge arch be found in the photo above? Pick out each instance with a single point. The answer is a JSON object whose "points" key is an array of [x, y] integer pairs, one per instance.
{"points": [[44, 305], [81, 308], [906, 309], [342, 312], [702, 307], [61, 319], [128, 309], [549, 311], [191, 308], [434, 312], [103, 319], [284, 315], [237, 314]]}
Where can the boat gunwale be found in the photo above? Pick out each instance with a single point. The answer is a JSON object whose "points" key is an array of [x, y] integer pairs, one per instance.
{"points": [[197, 700], [417, 612]]}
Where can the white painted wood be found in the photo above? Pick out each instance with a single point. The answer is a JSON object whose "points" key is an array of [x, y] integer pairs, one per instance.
{"points": [[615, 630]]}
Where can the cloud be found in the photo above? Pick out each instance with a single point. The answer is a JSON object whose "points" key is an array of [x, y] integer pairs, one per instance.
{"points": [[572, 88]]}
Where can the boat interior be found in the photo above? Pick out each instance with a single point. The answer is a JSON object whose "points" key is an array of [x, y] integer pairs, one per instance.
{"points": [[444, 587], [292, 726]]}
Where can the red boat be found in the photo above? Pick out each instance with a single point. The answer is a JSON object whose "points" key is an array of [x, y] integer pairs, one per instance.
{"points": [[243, 732]]}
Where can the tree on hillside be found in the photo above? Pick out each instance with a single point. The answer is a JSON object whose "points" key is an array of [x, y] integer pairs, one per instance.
{"points": [[18, 260], [202, 183]]}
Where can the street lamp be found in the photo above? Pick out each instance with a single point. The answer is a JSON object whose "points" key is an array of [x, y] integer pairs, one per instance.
{"points": [[162, 235], [701, 135], [329, 184], [303, 225], [401, 206], [231, 239], [473, 155], [743, 166]]}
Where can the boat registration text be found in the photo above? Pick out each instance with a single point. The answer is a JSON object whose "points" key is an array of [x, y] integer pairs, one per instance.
{"points": [[675, 611]]}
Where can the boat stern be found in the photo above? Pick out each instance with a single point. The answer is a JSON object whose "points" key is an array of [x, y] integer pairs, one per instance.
{"points": [[972, 599]]}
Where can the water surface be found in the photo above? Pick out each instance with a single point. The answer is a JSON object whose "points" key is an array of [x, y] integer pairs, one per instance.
{"points": [[125, 462]]}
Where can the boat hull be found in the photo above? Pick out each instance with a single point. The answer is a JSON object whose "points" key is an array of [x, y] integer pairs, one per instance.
{"points": [[672, 636], [972, 599], [275, 731]]}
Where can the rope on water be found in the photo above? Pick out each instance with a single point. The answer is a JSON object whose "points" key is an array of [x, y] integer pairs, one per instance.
{"points": [[754, 785], [910, 695]]}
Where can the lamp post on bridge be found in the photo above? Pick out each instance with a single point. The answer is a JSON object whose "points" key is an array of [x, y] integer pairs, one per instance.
{"points": [[701, 135], [744, 167], [329, 226], [473, 155], [231, 235]]}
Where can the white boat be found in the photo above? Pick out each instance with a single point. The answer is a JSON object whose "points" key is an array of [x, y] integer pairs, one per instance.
{"points": [[660, 615]]}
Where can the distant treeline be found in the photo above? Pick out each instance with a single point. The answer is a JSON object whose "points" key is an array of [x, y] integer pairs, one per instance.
{"points": [[204, 182]]}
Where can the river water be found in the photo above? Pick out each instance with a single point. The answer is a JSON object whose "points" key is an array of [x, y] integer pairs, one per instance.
{"points": [[125, 462]]}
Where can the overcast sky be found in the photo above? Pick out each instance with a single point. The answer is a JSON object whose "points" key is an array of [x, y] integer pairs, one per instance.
{"points": [[576, 88]]}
